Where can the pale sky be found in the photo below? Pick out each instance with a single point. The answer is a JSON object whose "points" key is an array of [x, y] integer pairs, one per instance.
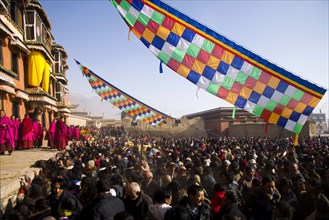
{"points": [[291, 34]]}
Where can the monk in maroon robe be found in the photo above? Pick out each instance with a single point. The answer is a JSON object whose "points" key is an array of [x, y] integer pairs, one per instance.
{"points": [[26, 133], [60, 137]]}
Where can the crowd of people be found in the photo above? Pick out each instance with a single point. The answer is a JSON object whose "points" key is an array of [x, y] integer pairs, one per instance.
{"points": [[112, 175]]}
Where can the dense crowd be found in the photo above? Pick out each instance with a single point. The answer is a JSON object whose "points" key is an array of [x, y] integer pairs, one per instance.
{"points": [[112, 175]]}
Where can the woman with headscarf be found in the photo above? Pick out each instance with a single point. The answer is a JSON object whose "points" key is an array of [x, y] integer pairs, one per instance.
{"points": [[26, 133], [7, 142]]}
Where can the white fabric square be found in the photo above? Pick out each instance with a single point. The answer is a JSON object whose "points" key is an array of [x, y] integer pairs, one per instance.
{"points": [[183, 44], [122, 11], [146, 10], [198, 40], [263, 101], [290, 125], [203, 83], [134, 12], [277, 96], [154, 50], [218, 78], [246, 67], [232, 72], [290, 91], [302, 119], [249, 106], [168, 49]]}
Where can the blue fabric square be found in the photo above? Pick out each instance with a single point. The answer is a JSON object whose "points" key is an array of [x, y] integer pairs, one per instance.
{"points": [[193, 77], [308, 110], [145, 42], [188, 35], [268, 92], [282, 86], [158, 42], [294, 116], [173, 39], [223, 67], [208, 72], [237, 62], [240, 102], [254, 97], [282, 121], [106, 98], [137, 4]]}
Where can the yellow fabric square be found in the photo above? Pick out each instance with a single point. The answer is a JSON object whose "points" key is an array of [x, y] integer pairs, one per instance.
{"points": [[163, 32], [198, 66], [245, 92], [148, 35], [178, 29], [274, 118], [228, 57], [286, 112], [231, 97], [314, 102], [183, 71], [300, 107], [274, 82], [138, 35], [259, 87], [213, 62]]}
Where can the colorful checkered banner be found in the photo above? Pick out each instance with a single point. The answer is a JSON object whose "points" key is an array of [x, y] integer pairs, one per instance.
{"points": [[123, 101], [220, 66]]}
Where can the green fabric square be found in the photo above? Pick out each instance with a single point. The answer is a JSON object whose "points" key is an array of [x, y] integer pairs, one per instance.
{"points": [[241, 78], [255, 73], [213, 88], [178, 55], [284, 100], [271, 105], [157, 17], [298, 95], [143, 19], [208, 46], [130, 19], [164, 57], [258, 110], [125, 5], [193, 50], [297, 128], [227, 83]]}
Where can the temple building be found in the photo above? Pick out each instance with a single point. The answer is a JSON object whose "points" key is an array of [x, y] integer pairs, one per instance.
{"points": [[32, 65]]}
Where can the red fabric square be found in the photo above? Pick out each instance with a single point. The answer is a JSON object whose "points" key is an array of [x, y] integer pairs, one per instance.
{"points": [[173, 64], [236, 87], [250, 82], [118, 1], [168, 23], [153, 26], [306, 98], [266, 114], [264, 77], [203, 56], [279, 109], [188, 61], [222, 93], [139, 27], [218, 51], [292, 103]]}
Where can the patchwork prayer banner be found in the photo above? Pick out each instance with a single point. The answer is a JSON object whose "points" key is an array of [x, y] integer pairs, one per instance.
{"points": [[123, 101], [220, 66]]}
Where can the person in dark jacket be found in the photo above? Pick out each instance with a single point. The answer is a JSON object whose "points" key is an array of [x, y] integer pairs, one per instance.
{"points": [[196, 204], [104, 206], [230, 207], [59, 193], [136, 202], [264, 199]]}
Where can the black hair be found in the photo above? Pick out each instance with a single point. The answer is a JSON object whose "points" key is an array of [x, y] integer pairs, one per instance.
{"points": [[162, 194], [192, 190]]}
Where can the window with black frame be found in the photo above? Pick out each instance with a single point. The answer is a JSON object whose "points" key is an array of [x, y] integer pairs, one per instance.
{"points": [[14, 63], [1, 53]]}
